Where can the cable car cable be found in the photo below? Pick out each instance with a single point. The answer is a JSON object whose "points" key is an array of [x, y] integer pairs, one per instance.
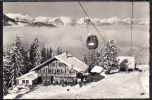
{"points": [[92, 22], [87, 28], [97, 28], [131, 27]]}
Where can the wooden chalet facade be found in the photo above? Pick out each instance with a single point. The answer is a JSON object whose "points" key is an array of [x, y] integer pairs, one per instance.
{"points": [[61, 68]]}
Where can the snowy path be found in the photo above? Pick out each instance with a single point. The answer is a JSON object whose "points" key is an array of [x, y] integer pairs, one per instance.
{"points": [[120, 85], [126, 86]]}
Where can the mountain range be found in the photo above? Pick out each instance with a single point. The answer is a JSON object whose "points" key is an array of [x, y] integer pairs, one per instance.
{"points": [[26, 20]]}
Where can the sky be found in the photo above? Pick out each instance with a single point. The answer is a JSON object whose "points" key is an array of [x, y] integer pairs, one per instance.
{"points": [[72, 9]]}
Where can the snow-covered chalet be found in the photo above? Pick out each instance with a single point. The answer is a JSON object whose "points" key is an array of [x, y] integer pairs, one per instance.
{"points": [[62, 67]]}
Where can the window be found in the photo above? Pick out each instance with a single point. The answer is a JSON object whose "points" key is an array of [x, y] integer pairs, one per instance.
{"points": [[52, 64], [67, 70], [58, 71], [23, 81], [52, 71], [49, 70], [27, 81], [61, 71], [71, 71], [61, 65], [17, 81], [46, 70]]}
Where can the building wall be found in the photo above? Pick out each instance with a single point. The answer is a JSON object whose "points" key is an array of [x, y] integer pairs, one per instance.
{"points": [[20, 81], [57, 70]]}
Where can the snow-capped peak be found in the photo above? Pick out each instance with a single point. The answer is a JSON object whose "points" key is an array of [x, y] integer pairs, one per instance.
{"points": [[19, 17], [41, 19], [66, 20]]}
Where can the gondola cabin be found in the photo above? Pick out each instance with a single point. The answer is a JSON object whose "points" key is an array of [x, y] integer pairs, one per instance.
{"points": [[92, 42], [61, 68]]}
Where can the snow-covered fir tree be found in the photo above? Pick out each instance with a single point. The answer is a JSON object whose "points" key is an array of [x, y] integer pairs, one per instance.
{"points": [[43, 54], [85, 59], [14, 62], [105, 57], [92, 58], [57, 51], [6, 73], [108, 56], [35, 54], [49, 53], [27, 62]]}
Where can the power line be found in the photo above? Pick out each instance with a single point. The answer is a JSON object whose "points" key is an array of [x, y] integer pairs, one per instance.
{"points": [[131, 25], [92, 22]]}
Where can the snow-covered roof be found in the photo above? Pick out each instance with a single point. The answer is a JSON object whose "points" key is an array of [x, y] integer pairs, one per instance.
{"points": [[131, 61], [67, 59], [72, 62], [30, 75], [97, 69]]}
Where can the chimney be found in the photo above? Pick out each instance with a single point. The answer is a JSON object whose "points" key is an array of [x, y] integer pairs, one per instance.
{"points": [[66, 53]]}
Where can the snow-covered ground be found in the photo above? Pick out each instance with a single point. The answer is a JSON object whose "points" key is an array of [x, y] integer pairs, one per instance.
{"points": [[118, 85]]}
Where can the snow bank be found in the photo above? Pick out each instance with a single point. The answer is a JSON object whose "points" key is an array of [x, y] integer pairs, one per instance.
{"points": [[144, 79], [143, 67]]}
